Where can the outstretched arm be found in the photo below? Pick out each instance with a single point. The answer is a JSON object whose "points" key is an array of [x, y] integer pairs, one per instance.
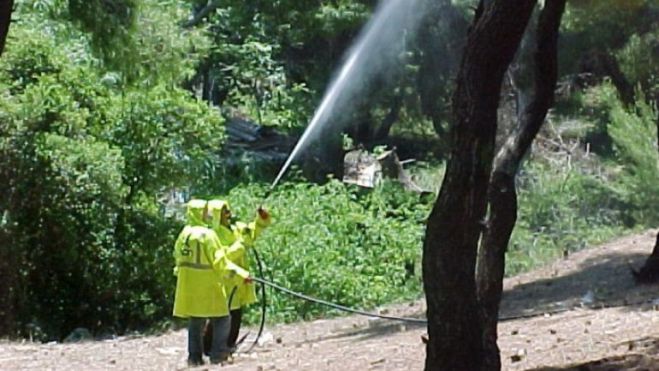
{"points": [[227, 268]]}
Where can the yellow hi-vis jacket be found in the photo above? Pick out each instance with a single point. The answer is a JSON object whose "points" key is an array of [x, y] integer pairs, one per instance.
{"points": [[202, 268], [235, 240]]}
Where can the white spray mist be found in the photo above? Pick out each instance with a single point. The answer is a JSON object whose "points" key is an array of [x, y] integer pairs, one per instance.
{"points": [[377, 48]]}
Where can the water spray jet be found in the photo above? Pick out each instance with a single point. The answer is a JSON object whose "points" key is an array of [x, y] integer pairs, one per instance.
{"points": [[377, 48]]}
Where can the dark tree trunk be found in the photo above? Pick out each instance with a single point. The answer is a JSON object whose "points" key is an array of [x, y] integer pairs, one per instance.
{"points": [[502, 196], [7, 260], [456, 221], [649, 273], [6, 7], [598, 64]]}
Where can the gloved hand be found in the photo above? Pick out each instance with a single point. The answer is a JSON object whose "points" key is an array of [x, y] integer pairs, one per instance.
{"points": [[248, 280], [263, 213]]}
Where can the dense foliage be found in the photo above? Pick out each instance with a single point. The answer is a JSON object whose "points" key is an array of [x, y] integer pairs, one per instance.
{"points": [[85, 158]]}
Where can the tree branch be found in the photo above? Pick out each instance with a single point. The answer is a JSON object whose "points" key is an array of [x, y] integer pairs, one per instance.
{"points": [[197, 18], [533, 115], [502, 197]]}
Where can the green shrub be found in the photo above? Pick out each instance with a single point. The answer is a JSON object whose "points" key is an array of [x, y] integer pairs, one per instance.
{"points": [[84, 162], [634, 134], [639, 64], [356, 247], [562, 210]]}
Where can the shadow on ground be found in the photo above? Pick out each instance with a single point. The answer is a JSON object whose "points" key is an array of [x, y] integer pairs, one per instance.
{"points": [[374, 329], [601, 281], [645, 358]]}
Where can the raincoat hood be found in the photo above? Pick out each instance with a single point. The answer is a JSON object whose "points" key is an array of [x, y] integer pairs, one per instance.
{"points": [[215, 208], [195, 212]]}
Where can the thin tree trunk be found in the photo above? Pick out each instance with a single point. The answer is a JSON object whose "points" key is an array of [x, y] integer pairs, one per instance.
{"points": [[455, 223], [649, 273], [6, 8], [502, 196], [7, 259]]}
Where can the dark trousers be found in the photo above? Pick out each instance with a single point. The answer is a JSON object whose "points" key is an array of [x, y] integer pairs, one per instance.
{"points": [[218, 349], [234, 330]]}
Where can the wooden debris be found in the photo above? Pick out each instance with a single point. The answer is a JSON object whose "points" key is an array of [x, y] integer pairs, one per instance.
{"points": [[367, 170]]}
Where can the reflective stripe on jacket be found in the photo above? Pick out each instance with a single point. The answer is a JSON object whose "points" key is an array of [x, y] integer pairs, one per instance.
{"points": [[202, 269]]}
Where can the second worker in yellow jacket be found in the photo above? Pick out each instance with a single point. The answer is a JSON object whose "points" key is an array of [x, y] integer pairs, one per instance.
{"points": [[236, 239]]}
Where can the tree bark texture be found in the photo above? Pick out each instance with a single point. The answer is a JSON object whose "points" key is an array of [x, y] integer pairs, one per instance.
{"points": [[456, 221], [502, 196], [6, 7]]}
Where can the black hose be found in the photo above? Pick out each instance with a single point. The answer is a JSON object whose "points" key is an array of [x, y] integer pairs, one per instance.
{"points": [[337, 306], [259, 264]]}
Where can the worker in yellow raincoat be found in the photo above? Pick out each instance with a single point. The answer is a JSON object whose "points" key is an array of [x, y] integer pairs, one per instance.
{"points": [[236, 239], [203, 270]]}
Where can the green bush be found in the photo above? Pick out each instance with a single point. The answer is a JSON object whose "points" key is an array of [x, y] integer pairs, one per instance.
{"points": [[84, 163], [356, 247], [562, 210], [639, 64], [634, 134]]}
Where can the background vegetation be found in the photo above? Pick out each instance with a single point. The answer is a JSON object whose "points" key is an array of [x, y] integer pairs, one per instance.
{"points": [[111, 117]]}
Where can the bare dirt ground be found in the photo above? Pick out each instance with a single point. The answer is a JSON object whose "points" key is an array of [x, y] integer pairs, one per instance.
{"points": [[581, 313]]}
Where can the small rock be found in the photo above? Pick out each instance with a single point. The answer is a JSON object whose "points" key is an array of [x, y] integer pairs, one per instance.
{"points": [[514, 332], [278, 340], [552, 331]]}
